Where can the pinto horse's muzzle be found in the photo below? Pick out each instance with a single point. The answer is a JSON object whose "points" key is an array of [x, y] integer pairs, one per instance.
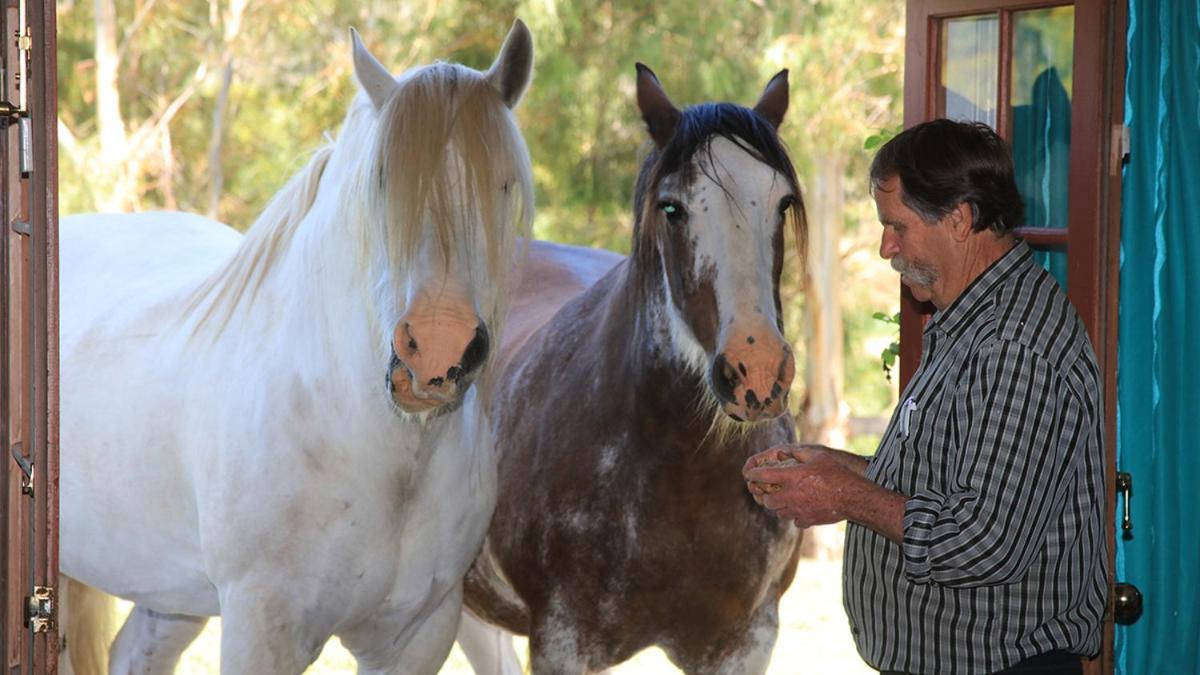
{"points": [[752, 374]]}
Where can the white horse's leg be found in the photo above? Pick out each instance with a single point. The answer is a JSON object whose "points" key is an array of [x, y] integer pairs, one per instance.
{"points": [[266, 633], [488, 648], [422, 650], [151, 643]]}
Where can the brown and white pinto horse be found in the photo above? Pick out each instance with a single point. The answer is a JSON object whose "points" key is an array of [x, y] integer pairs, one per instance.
{"points": [[624, 414]]}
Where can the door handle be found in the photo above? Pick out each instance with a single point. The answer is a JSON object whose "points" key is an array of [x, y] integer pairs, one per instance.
{"points": [[1125, 488], [1127, 603]]}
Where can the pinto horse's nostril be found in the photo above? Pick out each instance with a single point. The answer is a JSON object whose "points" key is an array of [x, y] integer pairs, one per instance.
{"points": [[752, 400], [724, 379], [474, 355]]}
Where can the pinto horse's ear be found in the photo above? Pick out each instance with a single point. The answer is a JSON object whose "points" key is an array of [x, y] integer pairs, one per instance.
{"points": [[511, 72], [774, 100], [374, 78], [660, 114]]}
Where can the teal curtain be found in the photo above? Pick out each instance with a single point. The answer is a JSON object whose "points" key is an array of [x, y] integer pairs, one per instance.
{"points": [[1158, 373]]}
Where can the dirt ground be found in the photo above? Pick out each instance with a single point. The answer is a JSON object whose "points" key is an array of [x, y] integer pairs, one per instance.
{"points": [[814, 638]]}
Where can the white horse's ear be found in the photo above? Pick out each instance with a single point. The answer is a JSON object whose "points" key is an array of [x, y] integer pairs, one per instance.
{"points": [[374, 78], [773, 103], [661, 116], [513, 68]]}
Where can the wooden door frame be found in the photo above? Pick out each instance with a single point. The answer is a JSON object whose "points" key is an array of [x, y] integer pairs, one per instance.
{"points": [[1094, 191], [29, 396]]}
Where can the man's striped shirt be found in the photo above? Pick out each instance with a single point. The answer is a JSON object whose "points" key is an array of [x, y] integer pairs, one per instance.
{"points": [[998, 445]]}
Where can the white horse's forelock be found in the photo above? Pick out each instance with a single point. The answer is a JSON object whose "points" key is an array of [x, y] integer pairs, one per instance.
{"points": [[444, 152], [447, 156]]}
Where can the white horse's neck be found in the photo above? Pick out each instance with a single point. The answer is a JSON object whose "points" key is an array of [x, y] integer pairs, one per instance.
{"points": [[298, 296]]}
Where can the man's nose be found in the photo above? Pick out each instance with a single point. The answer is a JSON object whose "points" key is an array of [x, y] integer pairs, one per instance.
{"points": [[888, 246]]}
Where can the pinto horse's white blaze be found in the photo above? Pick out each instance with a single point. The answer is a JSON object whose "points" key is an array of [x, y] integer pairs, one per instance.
{"points": [[230, 443], [733, 206]]}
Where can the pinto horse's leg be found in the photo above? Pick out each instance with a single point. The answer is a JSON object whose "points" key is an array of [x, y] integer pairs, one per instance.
{"points": [[554, 648], [748, 654], [150, 642], [488, 648]]}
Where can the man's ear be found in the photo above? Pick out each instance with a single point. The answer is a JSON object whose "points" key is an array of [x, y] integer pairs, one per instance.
{"points": [[961, 221]]}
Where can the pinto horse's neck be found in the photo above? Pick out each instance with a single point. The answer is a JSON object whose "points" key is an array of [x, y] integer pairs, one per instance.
{"points": [[640, 340]]}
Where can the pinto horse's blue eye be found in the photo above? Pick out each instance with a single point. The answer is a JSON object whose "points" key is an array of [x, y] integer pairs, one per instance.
{"points": [[674, 211]]}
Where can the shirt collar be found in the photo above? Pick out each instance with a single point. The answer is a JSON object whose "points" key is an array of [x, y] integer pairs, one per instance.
{"points": [[967, 304]]}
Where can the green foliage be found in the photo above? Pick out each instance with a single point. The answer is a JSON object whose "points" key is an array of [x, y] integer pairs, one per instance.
{"points": [[892, 352], [876, 140]]}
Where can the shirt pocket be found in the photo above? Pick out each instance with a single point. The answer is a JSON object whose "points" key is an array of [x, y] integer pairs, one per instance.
{"points": [[924, 452]]}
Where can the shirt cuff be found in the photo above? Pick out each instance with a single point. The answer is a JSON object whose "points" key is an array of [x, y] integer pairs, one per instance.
{"points": [[920, 515]]}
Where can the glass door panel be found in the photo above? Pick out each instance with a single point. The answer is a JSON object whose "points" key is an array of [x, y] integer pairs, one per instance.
{"points": [[970, 70], [1040, 100]]}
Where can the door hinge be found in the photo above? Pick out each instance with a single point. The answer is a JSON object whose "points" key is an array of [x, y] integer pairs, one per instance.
{"points": [[40, 609]]}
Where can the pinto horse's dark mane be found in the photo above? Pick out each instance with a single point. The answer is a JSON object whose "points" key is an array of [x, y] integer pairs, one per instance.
{"points": [[698, 126]]}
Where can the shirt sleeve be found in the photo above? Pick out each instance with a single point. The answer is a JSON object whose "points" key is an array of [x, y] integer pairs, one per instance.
{"points": [[1008, 476]]}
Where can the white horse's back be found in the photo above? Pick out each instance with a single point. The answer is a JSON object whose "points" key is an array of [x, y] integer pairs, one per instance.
{"points": [[109, 259]]}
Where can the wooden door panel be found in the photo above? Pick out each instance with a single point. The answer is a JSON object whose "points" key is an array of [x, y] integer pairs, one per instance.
{"points": [[28, 337]]}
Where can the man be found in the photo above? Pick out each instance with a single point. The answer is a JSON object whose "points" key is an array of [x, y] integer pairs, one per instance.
{"points": [[976, 539]]}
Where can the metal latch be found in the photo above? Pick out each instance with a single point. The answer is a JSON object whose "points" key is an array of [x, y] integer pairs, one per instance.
{"points": [[25, 134], [26, 464], [39, 609]]}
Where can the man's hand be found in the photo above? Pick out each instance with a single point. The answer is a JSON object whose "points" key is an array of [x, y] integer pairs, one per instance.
{"points": [[814, 491]]}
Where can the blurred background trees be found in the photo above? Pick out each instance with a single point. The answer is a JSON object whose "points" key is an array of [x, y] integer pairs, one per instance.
{"points": [[209, 106]]}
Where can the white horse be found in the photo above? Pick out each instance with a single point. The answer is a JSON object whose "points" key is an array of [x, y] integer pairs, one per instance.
{"points": [[279, 428]]}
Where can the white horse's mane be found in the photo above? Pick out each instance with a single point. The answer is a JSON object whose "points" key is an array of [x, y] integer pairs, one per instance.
{"points": [[239, 278], [398, 178]]}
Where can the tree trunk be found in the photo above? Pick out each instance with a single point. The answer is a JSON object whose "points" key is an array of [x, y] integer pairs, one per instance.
{"points": [[216, 175], [232, 23], [108, 97], [114, 141], [825, 418]]}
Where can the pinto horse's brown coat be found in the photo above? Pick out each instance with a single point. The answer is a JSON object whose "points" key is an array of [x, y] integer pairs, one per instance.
{"points": [[623, 521]]}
